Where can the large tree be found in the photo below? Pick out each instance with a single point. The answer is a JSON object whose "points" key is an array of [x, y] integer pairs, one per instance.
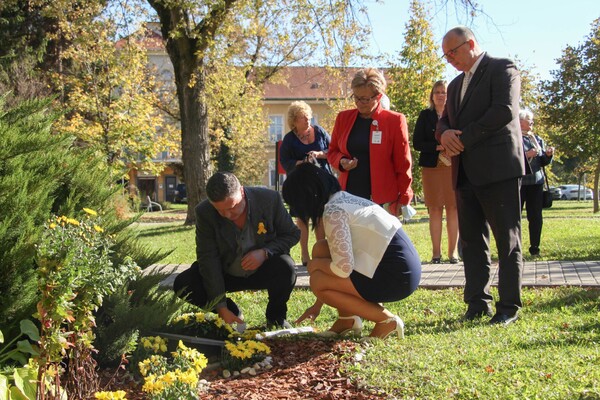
{"points": [[412, 76], [572, 104], [258, 37]]}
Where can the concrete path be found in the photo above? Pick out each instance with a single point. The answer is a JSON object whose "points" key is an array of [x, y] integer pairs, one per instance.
{"points": [[438, 276]]}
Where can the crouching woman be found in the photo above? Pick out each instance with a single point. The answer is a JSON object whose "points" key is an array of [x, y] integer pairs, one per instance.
{"points": [[366, 258]]}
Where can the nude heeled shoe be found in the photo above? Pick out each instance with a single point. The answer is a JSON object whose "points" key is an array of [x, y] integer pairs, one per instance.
{"points": [[399, 330], [356, 328]]}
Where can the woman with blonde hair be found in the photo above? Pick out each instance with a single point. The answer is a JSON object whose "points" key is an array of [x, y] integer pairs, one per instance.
{"points": [[305, 142], [369, 146], [437, 176]]}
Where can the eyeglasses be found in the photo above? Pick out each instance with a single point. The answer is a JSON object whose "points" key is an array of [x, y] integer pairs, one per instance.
{"points": [[364, 100], [452, 52]]}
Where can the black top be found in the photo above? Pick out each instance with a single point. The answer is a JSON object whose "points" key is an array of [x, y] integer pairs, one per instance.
{"points": [[424, 138], [359, 178]]}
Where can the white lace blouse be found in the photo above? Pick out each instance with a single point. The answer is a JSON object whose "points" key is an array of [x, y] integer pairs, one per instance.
{"points": [[358, 232]]}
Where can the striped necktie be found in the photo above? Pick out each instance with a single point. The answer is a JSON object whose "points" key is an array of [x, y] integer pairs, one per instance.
{"points": [[465, 84]]}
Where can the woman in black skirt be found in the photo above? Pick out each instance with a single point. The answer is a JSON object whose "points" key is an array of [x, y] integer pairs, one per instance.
{"points": [[366, 258]]}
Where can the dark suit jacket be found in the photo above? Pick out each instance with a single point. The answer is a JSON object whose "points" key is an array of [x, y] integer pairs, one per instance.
{"points": [[424, 139], [216, 244], [488, 117]]}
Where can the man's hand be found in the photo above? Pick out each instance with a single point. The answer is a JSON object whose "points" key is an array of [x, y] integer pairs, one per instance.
{"points": [[311, 313], [450, 140], [253, 259], [229, 317]]}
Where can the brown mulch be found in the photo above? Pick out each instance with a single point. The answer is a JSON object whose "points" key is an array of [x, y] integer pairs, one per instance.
{"points": [[302, 369]]}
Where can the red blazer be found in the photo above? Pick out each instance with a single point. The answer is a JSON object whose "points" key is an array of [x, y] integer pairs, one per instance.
{"points": [[391, 161]]}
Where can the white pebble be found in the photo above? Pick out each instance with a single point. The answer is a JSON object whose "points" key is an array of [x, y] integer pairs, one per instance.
{"points": [[236, 373], [252, 371], [245, 370], [268, 366], [226, 373]]}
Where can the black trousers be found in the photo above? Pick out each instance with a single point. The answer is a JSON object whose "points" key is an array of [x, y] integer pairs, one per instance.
{"points": [[532, 197], [277, 275], [497, 207]]}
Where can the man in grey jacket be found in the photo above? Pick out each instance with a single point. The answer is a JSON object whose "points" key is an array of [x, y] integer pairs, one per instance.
{"points": [[243, 239]]}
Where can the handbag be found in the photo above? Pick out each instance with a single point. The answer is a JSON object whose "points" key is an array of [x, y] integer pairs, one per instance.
{"points": [[546, 195]]}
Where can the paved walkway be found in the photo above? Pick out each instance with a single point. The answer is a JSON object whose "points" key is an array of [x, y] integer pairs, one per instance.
{"points": [[437, 276]]}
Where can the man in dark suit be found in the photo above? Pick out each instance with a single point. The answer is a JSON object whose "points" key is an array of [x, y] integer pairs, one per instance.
{"points": [[243, 239], [480, 130]]}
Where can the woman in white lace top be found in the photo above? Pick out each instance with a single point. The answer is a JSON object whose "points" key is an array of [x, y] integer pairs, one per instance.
{"points": [[366, 258]]}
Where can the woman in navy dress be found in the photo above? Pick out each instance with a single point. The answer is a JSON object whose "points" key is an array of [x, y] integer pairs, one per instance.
{"points": [[304, 143]]}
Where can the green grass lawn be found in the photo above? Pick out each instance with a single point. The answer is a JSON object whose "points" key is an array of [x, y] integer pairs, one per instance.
{"points": [[551, 352], [571, 232]]}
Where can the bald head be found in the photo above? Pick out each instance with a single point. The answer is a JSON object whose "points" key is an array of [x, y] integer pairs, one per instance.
{"points": [[460, 48]]}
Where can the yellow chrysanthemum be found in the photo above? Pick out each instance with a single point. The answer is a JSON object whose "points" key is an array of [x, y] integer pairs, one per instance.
{"points": [[90, 212], [98, 229]]}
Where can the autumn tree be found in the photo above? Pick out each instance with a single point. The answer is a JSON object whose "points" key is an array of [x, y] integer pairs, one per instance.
{"points": [[258, 37], [572, 104], [412, 76], [109, 91]]}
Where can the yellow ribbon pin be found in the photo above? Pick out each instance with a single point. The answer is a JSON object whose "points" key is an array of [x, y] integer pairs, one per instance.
{"points": [[261, 228]]}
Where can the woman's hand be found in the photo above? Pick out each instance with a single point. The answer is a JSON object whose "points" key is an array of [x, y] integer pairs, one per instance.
{"points": [[348, 164], [311, 312]]}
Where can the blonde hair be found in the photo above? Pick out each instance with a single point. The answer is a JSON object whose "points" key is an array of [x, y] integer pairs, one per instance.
{"points": [[435, 86], [371, 78], [295, 109]]}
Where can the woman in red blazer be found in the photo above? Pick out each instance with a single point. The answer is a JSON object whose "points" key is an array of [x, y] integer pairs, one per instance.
{"points": [[369, 146]]}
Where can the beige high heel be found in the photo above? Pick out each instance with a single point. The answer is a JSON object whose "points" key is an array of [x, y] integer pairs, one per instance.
{"points": [[399, 330], [356, 328]]}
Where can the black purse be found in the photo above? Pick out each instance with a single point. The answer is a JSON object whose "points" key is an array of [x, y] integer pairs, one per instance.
{"points": [[546, 195]]}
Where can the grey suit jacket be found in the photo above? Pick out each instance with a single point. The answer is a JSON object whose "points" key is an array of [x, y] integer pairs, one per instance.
{"points": [[488, 117], [216, 244]]}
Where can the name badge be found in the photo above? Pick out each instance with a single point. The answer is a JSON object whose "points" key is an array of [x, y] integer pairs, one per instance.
{"points": [[376, 137]]}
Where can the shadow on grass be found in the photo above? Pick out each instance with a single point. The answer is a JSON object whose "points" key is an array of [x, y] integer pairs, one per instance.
{"points": [[588, 298], [162, 230]]}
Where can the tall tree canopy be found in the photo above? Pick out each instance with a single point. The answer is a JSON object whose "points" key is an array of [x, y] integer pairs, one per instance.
{"points": [[572, 104], [413, 74]]}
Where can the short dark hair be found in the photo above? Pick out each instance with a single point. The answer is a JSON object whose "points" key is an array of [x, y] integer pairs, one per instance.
{"points": [[306, 190], [222, 185]]}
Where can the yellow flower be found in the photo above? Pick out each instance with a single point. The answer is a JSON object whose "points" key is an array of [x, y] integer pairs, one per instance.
{"points": [[118, 395], [72, 221], [98, 229], [90, 212], [261, 228], [52, 225]]}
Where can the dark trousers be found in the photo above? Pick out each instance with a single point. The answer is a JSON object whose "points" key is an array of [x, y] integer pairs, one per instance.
{"points": [[532, 197], [496, 206], [277, 275]]}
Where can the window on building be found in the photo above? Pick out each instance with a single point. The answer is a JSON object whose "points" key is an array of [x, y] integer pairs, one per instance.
{"points": [[275, 128]]}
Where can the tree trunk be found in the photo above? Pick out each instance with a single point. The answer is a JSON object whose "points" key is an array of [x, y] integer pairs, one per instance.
{"points": [[190, 84]]}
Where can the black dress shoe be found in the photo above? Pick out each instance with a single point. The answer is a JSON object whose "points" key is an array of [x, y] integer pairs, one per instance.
{"points": [[503, 319], [436, 260], [471, 315]]}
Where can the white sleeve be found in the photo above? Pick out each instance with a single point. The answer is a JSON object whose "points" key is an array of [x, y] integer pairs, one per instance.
{"points": [[339, 239]]}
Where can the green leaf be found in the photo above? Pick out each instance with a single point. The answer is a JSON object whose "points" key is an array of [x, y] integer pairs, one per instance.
{"points": [[25, 347], [3, 387], [26, 381], [28, 328], [19, 357], [1, 341]]}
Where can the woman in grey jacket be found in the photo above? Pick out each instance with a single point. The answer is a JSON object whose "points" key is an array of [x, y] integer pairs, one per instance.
{"points": [[532, 184]]}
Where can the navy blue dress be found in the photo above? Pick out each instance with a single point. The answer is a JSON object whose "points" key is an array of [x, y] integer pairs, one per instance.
{"points": [[292, 149]]}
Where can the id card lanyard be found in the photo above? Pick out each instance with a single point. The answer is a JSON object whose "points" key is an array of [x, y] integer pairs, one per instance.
{"points": [[376, 135]]}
